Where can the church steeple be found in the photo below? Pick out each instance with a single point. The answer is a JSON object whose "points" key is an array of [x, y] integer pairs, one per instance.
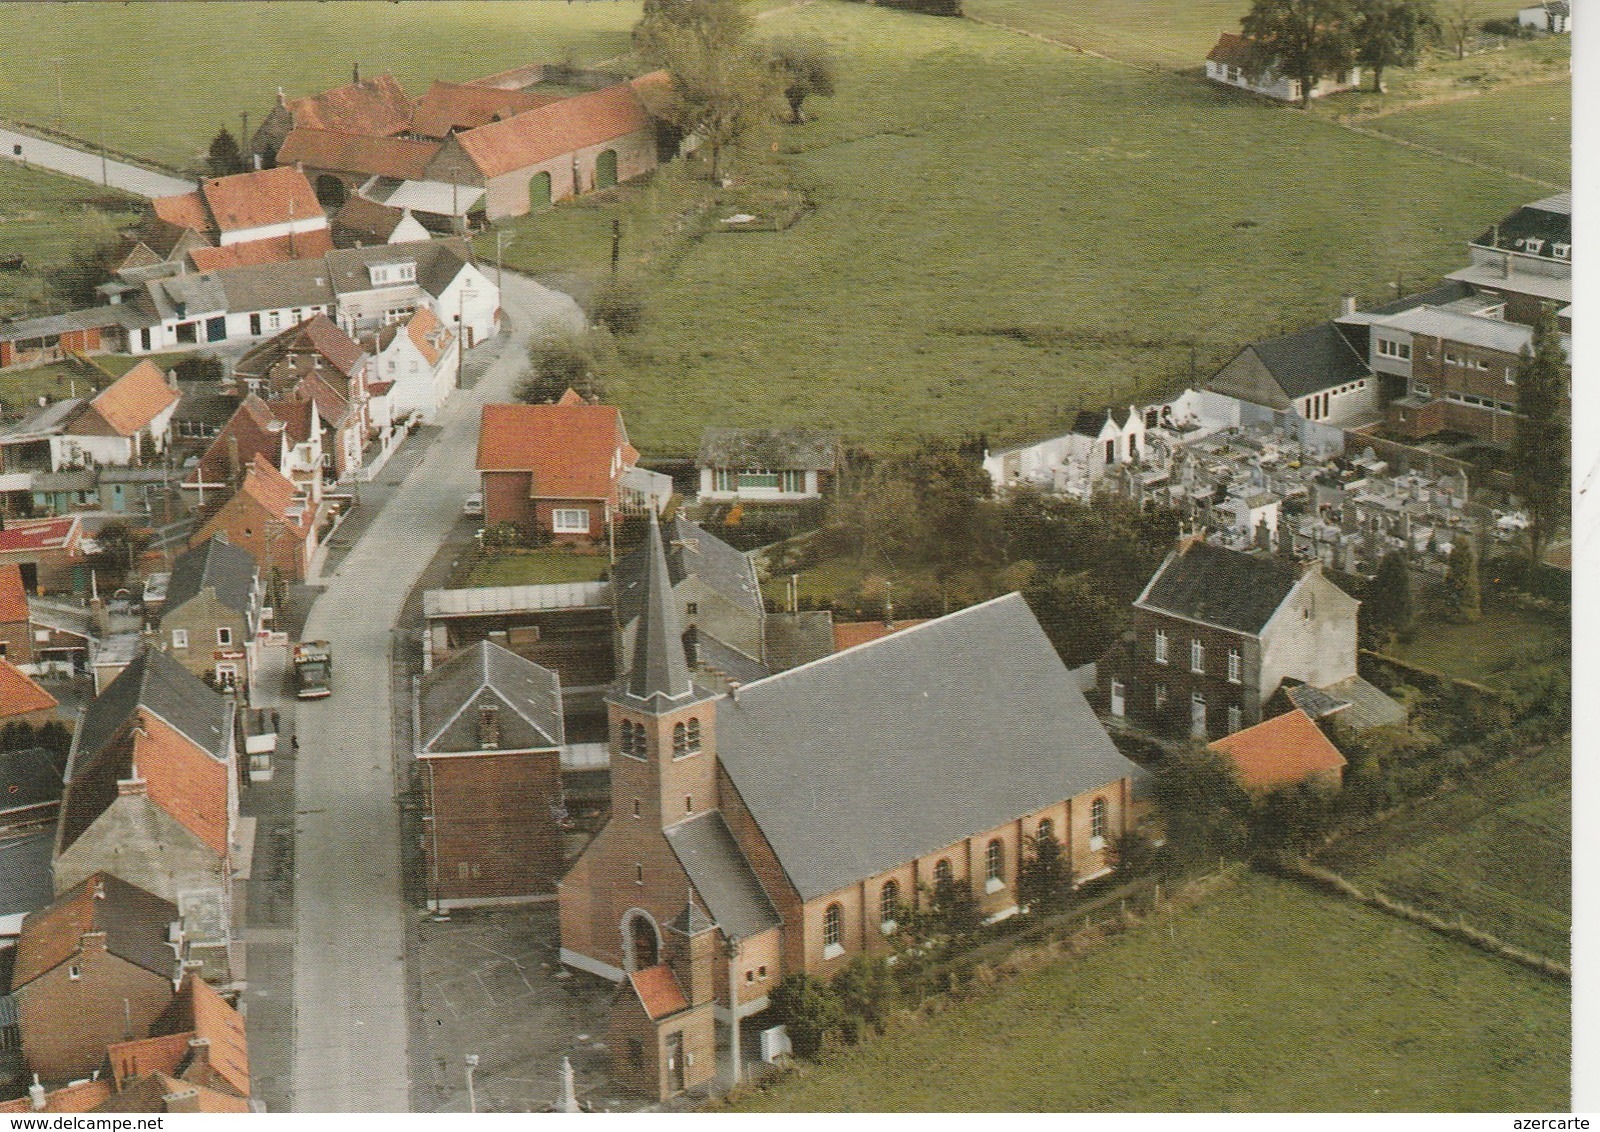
{"points": [[659, 678]]}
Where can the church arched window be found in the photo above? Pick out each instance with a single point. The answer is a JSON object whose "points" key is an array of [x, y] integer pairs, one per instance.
{"points": [[680, 740], [694, 737]]}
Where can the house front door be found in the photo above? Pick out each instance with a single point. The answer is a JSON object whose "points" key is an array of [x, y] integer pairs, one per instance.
{"points": [[1197, 715]]}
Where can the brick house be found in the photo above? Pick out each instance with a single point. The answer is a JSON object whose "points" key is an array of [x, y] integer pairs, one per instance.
{"points": [[1216, 631], [662, 1033], [376, 107], [213, 612], [490, 752], [97, 964], [288, 434], [199, 1040], [1525, 261], [270, 519], [318, 362], [244, 208], [1283, 751], [802, 810], [153, 797], [554, 469], [22, 700]]}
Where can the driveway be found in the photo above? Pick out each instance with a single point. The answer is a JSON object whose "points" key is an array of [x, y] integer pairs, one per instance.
{"points": [[89, 166], [349, 940]]}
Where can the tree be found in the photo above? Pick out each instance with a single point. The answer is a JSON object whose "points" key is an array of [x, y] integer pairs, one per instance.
{"points": [[1303, 39], [1539, 448], [1388, 33], [805, 68], [1284, 823], [1042, 880], [1202, 805], [224, 157], [1388, 611], [1460, 20], [120, 547], [561, 362], [864, 994], [201, 368], [955, 912], [618, 306], [808, 1009], [718, 25], [1461, 580]]}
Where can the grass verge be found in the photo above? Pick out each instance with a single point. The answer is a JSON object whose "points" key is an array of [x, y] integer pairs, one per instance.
{"points": [[533, 568], [1483, 649]]}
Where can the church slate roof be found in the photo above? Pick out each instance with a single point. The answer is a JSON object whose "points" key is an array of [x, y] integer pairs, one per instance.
{"points": [[872, 757], [721, 875], [1230, 589], [691, 550], [660, 674], [1311, 361]]}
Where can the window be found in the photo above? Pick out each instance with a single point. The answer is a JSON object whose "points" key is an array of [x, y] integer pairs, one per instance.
{"points": [[1389, 348], [638, 873], [750, 975], [1511, 376], [1420, 389], [1235, 666], [792, 481], [296, 315], [724, 480], [224, 635], [688, 803], [757, 477], [691, 608], [1197, 657], [694, 737], [632, 742], [638, 812], [1451, 358], [994, 867], [761, 971], [180, 638], [1235, 720], [1161, 646], [74, 972], [1161, 696], [1097, 825], [832, 931], [888, 900], [1119, 692], [1560, 250], [227, 676], [570, 521], [942, 873], [680, 740]]}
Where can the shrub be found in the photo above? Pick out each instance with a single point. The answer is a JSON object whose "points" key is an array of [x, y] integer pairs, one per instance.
{"points": [[808, 1009], [864, 994], [619, 306]]}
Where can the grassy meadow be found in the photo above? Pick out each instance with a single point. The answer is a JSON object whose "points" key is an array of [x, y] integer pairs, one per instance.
{"points": [[1496, 851], [1004, 232], [1484, 649], [1172, 34], [46, 218], [161, 79], [1526, 129], [1266, 997]]}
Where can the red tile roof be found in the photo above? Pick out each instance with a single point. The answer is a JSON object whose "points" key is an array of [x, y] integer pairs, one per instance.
{"points": [[570, 448], [260, 198], [252, 426], [658, 991], [20, 535], [197, 1011], [273, 492], [848, 634], [19, 695], [13, 595], [448, 107], [85, 1096], [132, 401], [376, 106], [1279, 752], [134, 922], [424, 329], [274, 249], [556, 129], [366, 154], [186, 210], [144, 1056], [1232, 50]]}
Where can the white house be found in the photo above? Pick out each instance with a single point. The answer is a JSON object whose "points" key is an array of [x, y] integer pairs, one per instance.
{"points": [[1229, 63], [416, 362], [1552, 16], [757, 464]]}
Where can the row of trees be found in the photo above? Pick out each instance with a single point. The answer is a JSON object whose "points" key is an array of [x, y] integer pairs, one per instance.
{"points": [[1305, 39]]}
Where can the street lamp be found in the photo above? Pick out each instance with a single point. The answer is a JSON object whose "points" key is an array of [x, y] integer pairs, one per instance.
{"points": [[472, 1096], [500, 244]]}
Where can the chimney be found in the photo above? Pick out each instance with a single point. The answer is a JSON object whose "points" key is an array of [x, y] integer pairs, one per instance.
{"points": [[172, 380], [355, 73], [199, 1054], [1347, 306], [129, 788], [184, 1100], [99, 888], [280, 96], [36, 1094], [92, 942], [488, 727]]}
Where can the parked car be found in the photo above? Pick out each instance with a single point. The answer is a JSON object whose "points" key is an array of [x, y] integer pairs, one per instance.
{"points": [[473, 507]]}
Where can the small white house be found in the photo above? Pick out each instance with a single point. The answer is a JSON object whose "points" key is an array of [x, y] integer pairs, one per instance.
{"points": [[417, 362], [779, 465], [1554, 16], [1229, 64]]}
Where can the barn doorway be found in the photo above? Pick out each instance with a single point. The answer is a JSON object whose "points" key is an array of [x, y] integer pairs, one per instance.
{"points": [[605, 169], [330, 191], [539, 192]]}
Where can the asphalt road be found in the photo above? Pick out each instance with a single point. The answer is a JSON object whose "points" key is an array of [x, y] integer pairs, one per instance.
{"points": [[89, 166], [349, 968]]}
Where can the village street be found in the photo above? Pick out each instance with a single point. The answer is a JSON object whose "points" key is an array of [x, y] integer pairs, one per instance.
{"points": [[349, 935], [26, 149]]}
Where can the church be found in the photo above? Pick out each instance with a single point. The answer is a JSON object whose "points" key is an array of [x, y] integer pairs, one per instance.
{"points": [[778, 826]]}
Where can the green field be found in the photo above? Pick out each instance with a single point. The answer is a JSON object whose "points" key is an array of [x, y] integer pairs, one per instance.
{"points": [[1484, 649], [162, 78], [1496, 851], [1005, 232], [46, 218], [1264, 998], [1527, 129], [1175, 34]]}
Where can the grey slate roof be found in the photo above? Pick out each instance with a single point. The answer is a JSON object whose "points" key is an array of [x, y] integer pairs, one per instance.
{"points": [[136, 923], [49, 324], [891, 750], [1311, 360], [719, 657], [691, 921], [229, 570], [1369, 706], [198, 294], [1549, 220], [1447, 292], [659, 677], [1232, 589], [1091, 421], [528, 695], [265, 286], [25, 872], [159, 684], [1314, 701], [772, 448], [30, 777], [690, 550], [438, 262], [719, 872]]}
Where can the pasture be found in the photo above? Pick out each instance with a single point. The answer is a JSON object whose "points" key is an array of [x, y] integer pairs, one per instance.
{"points": [[46, 219], [1496, 851], [1526, 129], [1266, 997]]}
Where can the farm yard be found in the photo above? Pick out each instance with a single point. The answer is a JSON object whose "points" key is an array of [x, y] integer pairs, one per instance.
{"points": [[1495, 851], [1266, 998]]}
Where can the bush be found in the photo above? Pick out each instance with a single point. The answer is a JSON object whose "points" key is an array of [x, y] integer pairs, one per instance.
{"points": [[562, 362], [199, 368], [864, 994], [808, 1009], [618, 306]]}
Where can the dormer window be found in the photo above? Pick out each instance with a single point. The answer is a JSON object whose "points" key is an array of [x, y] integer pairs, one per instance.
{"points": [[1561, 251], [384, 274]]}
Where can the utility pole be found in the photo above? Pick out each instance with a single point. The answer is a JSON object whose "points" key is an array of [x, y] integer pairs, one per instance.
{"points": [[105, 165], [616, 244], [61, 102], [500, 244], [472, 1096]]}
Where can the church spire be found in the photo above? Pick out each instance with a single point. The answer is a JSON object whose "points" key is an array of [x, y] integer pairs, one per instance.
{"points": [[660, 669]]}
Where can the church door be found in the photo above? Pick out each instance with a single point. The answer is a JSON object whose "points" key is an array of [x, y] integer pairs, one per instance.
{"points": [[675, 1075], [539, 192]]}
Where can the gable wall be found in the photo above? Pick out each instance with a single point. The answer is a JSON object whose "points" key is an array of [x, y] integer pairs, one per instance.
{"points": [[95, 1003]]}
